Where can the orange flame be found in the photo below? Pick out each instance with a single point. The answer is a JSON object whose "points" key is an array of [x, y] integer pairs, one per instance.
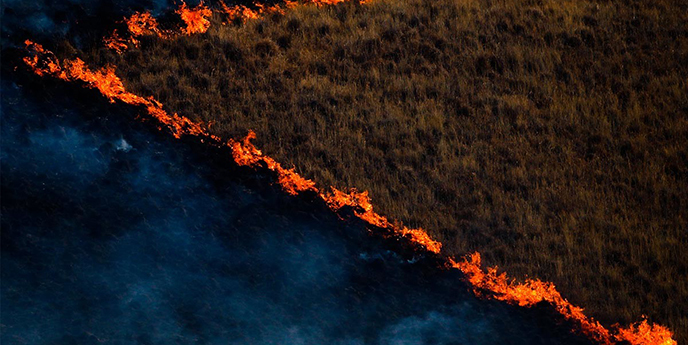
{"points": [[534, 291], [485, 283], [262, 9], [143, 23], [246, 154], [238, 12], [526, 294], [44, 62], [321, 3], [290, 4], [644, 333], [115, 42], [196, 19], [243, 13], [291, 182], [140, 24], [338, 199]]}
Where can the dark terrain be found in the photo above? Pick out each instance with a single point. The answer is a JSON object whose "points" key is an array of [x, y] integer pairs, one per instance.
{"points": [[551, 136]]}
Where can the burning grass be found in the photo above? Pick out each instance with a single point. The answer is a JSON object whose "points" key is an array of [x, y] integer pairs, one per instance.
{"points": [[550, 136]]}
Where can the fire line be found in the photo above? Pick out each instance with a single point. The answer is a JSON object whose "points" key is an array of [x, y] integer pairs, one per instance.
{"points": [[196, 20]]}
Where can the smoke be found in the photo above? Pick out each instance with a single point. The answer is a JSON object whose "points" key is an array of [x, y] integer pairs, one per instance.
{"points": [[112, 234]]}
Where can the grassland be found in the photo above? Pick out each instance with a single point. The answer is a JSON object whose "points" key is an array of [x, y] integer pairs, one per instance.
{"points": [[551, 136]]}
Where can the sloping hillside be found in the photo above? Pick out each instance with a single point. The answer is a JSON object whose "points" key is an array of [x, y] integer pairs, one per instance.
{"points": [[552, 136]]}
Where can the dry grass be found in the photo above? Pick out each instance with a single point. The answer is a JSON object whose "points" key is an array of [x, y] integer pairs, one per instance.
{"points": [[550, 135]]}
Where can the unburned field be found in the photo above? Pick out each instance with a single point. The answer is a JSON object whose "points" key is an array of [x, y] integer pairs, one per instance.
{"points": [[551, 136]]}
